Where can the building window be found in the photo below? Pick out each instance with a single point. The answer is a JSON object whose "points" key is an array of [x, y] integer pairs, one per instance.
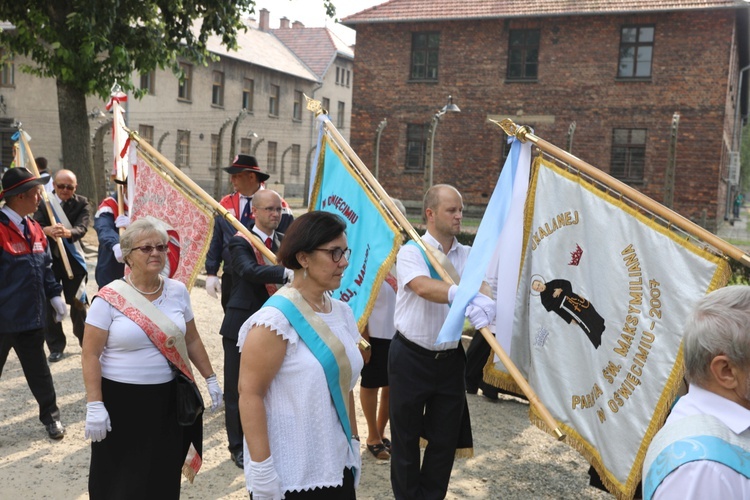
{"points": [[636, 51], [217, 90], [340, 115], [148, 83], [297, 111], [424, 56], [416, 146], [182, 155], [348, 77], [246, 146], [248, 94], [7, 70], [295, 159], [628, 154], [523, 55], [215, 150], [271, 158], [147, 133], [327, 105], [338, 78], [273, 101], [184, 91]]}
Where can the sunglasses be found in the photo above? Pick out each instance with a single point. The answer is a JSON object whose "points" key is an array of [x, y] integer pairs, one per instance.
{"points": [[150, 248], [336, 253], [69, 187]]}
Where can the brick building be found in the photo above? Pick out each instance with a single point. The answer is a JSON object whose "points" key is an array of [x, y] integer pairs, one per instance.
{"points": [[620, 70]]}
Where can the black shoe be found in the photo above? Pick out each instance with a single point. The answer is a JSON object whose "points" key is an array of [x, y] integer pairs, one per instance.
{"points": [[471, 389], [55, 430], [238, 457], [54, 357]]}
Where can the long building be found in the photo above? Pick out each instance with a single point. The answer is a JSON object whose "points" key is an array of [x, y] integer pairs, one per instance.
{"points": [[248, 101], [603, 78]]}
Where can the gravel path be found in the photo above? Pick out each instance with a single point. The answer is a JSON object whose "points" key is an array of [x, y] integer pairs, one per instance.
{"points": [[513, 459]]}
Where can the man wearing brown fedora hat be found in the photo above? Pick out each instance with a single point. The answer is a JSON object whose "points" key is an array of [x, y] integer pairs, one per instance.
{"points": [[28, 284], [247, 178]]}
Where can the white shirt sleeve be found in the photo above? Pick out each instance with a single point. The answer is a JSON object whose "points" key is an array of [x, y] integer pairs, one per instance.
{"points": [[410, 264], [703, 479]]}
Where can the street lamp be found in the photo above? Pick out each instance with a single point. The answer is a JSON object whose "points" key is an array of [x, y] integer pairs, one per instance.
{"points": [[448, 108], [379, 131]]}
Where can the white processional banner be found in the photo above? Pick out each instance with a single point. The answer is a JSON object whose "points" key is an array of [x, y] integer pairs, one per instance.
{"points": [[602, 296]]}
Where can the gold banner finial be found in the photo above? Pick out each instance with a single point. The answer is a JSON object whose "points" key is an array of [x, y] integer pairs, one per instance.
{"points": [[315, 106], [510, 128]]}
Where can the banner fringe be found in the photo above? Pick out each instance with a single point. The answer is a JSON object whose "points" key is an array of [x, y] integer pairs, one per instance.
{"points": [[460, 452]]}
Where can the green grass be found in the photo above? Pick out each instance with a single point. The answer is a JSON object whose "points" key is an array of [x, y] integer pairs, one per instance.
{"points": [[738, 243]]}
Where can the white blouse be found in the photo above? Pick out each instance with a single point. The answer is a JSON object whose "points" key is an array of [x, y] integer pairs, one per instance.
{"points": [[307, 444], [129, 356]]}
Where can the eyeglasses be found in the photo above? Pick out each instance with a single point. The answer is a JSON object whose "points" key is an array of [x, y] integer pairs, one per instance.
{"points": [[271, 209], [69, 187], [150, 248], [336, 253]]}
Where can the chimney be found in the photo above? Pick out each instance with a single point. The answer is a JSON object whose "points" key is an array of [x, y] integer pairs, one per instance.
{"points": [[284, 23], [297, 25], [264, 18]]}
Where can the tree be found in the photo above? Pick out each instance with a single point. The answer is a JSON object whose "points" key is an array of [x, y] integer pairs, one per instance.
{"points": [[87, 45]]}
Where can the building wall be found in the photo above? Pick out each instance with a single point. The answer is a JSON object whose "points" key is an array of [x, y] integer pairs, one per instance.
{"points": [[578, 59], [33, 101]]}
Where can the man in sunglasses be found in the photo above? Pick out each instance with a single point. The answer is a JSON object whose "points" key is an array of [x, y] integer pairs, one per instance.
{"points": [[73, 214]]}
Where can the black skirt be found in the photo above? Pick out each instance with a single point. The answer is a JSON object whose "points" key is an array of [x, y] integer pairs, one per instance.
{"points": [[375, 373], [143, 454]]}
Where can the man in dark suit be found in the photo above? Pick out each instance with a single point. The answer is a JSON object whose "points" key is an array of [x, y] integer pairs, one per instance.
{"points": [[253, 281], [73, 213], [247, 179]]}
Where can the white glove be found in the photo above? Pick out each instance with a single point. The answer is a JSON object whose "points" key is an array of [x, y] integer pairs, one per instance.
{"points": [[288, 275], [266, 484], [357, 462], [61, 309], [452, 293], [97, 421], [122, 221], [215, 391], [213, 286], [481, 311], [118, 253]]}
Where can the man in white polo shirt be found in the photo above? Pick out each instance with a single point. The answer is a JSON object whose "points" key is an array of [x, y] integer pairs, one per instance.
{"points": [[427, 395]]}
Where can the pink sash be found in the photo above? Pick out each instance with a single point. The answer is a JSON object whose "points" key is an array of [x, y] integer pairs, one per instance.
{"points": [[165, 335]]}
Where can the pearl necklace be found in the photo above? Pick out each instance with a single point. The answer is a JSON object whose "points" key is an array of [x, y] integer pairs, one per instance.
{"points": [[158, 289]]}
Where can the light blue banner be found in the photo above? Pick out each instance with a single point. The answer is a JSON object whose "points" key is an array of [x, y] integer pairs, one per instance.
{"points": [[484, 246], [372, 236]]}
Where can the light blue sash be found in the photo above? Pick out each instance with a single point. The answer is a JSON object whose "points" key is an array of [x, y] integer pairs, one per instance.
{"points": [[691, 449], [433, 273], [325, 346]]}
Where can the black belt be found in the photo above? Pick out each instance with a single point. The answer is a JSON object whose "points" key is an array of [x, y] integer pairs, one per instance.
{"points": [[426, 352]]}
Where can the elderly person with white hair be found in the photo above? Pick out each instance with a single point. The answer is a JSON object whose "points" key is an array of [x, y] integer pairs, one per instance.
{"points": [[703, 450], [140, 334]]}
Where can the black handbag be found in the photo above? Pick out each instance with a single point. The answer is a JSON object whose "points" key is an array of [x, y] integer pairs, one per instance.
{"points": [[189, 400]]}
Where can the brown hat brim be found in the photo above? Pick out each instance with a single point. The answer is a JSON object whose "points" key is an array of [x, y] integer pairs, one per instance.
{"points": [[238, 170]]}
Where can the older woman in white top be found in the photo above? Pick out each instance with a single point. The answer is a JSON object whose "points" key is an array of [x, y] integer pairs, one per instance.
{"points": [[297, 438], [138, 448]]}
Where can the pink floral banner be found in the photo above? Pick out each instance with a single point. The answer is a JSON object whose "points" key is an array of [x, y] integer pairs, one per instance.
{"points": [[189, 223]]}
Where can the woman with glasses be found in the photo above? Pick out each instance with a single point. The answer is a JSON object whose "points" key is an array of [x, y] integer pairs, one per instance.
{"points": [[140, 330], [299, 364]]}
